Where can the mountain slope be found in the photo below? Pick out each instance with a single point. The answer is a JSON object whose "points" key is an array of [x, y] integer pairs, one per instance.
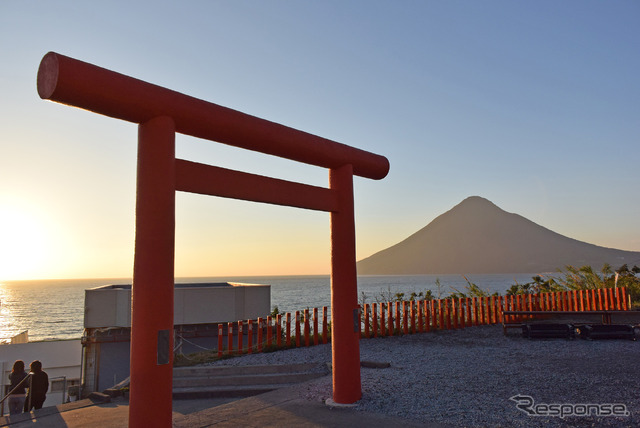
{"points": [[476, 236]]}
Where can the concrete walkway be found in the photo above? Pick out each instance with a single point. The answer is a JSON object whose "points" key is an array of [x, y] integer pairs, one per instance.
{"points": [[283, 407]]}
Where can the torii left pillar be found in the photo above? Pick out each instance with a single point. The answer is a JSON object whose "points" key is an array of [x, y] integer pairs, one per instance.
{"points": [[153, 276]]}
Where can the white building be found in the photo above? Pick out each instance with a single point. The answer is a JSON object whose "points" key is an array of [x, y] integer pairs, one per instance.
{"points": [[198, 309]]}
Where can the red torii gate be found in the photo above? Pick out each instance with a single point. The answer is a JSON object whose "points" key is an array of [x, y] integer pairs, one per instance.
{"points": [[161, 113]]}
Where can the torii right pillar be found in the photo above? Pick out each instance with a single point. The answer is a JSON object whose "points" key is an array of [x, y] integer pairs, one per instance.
{"points": [[345, 312]]}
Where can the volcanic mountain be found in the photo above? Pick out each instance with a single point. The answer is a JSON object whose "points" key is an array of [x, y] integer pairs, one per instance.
{"points": [[476, 236]]}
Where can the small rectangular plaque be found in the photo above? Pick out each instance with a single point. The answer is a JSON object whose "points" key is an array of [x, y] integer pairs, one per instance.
{"points": [[163, 347]]}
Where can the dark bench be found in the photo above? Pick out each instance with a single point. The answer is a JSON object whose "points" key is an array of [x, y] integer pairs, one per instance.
{"points": [[514, 319]]}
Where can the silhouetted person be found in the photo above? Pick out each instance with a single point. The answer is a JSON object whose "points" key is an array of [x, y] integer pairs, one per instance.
{"points": [[38, 387], [17, 397]]}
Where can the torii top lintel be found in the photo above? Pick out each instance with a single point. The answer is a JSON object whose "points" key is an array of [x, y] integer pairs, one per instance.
{"points": [[80, 84]]}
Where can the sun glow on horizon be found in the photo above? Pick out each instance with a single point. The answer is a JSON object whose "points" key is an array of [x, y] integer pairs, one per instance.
{"points": [[24, 242]]}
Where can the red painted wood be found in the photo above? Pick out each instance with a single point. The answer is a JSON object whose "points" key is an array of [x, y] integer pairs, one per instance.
{"points": [[153, 274], [80, 84]]}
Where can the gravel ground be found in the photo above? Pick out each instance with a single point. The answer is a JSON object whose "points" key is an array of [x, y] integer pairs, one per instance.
{"points": [[467, 377]]}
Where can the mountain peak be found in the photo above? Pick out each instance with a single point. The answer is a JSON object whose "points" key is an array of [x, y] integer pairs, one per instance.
{"points": [[475, 203], [477, 236]]}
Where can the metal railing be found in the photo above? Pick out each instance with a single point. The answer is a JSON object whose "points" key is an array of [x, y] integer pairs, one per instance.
{"points": [[28, 377]]}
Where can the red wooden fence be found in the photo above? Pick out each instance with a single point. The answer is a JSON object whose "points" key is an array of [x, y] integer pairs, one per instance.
{"points": [[409, 317]]}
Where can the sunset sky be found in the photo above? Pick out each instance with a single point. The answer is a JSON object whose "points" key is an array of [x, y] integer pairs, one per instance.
{"points": [[532, 105]]}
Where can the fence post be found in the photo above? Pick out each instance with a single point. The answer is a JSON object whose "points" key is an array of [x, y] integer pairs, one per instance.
{"points": [[398, 318], [366, 320], [434, 315], [325, 324], [560, 299], [230, 339], [374, 319], [454, 313], [306, 327], [612, 304], [260, 332], [588, 299], [420, 316], [412, 311], [279, 330], [547, 301], [288, 330], [462, 312], [440, 315], [572, 300], [390, 317], [220, 340], [600, 305], [405, 319], [447, 313], [297, 329], [240, 338], [249, 336], [474, 304], [269, 331], [494, 314], [315, 326], [427, 316], [491, 300]]}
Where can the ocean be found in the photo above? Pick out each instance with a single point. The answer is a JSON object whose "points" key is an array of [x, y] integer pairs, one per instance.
{"points": [[54, 309]]}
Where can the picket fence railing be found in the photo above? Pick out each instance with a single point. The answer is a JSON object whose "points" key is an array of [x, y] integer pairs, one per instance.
{"points": [[308, 327]]}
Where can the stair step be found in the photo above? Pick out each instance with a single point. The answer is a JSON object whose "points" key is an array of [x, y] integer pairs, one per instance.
{"points": [[223, 391], [240, 381], [200, 371], [250, 379]]}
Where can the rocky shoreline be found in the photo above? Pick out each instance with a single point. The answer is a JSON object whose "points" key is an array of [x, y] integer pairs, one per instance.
{"points": [[468, 378]]}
